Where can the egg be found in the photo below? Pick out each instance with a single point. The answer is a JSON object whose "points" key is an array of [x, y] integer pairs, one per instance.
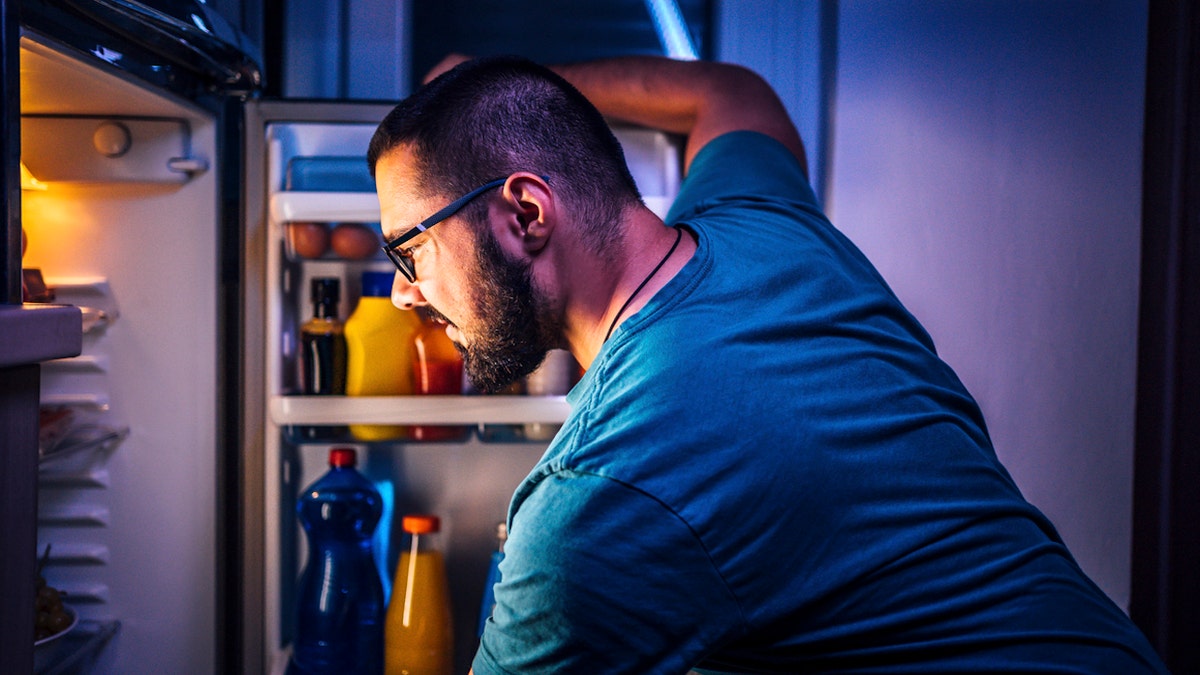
{"points": [[355, 241], [309, 240]]}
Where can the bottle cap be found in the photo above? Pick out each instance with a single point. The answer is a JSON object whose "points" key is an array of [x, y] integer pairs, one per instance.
{"points": [[342, 457], [325, 289], [377, 284], [420, 524]]}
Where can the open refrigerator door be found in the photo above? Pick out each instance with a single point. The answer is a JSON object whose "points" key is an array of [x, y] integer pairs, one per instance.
{"points": [[120, 210]]}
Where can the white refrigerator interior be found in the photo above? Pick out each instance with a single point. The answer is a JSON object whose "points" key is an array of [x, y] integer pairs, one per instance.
{"points": [[467, 482], [124, 224]]}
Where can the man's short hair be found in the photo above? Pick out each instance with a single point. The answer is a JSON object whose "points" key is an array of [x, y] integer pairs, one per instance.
{"points": [[488, 118]]}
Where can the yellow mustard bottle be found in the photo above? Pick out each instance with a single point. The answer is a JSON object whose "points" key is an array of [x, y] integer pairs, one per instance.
{"points": [[418, 637], [379, 351]]}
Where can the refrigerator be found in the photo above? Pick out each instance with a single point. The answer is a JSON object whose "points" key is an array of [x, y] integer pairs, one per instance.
{"points": [[158, 189]]}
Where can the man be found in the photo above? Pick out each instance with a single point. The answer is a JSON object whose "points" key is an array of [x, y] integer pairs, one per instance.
{"points": [[766, 467]]}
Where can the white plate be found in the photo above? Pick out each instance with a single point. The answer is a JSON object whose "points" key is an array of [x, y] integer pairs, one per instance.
{"points": [[51, 638]]}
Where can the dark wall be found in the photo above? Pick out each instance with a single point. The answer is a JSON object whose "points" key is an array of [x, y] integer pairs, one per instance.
{"points": [[546, 32]]}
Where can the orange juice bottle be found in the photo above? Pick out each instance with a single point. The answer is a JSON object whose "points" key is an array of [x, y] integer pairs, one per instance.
{"points": [[418, 636], [378, 353]]}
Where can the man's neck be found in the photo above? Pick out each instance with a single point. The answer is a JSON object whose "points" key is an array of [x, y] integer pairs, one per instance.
{"points": [[640, 269]]}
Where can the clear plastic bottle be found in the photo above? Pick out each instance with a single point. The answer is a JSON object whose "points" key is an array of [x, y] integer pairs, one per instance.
{"points": [[437, 369], [339, 626], [323, 354], [493, 578], [419, 637], [379, 357]]}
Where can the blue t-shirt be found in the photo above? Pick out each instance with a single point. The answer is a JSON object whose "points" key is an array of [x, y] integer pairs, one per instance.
{"points": [[769, 469]]}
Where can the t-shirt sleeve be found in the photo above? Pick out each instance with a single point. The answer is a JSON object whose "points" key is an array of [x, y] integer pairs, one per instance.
{"points": [[599, 577], [740, 165]]}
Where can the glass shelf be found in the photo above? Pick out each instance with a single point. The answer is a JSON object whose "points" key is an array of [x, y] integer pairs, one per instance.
{"points": [[425, 410], [363, 207], [83, 438], [76, 651]]}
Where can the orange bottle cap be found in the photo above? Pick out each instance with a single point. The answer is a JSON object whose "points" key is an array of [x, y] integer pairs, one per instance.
{"points": [[420, 524]]}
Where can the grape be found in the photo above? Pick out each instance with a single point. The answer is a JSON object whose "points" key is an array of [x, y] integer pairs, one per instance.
{"points": [[59, 622]]}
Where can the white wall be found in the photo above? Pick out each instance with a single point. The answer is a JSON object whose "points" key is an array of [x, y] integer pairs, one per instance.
{"points": [[986, 156], [787, 43]]}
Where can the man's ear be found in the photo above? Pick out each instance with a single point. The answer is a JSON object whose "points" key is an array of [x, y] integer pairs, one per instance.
{"points": [[530, 210]]}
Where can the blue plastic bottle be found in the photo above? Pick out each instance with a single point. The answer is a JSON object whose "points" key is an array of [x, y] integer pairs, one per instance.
{"points": [[339, 628], [493, 578]]}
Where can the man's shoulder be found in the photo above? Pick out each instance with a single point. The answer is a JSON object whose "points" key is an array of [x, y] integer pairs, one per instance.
{"points": [[742, 165]]}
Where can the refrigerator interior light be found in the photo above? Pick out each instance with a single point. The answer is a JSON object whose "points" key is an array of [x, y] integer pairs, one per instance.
{"points": [[28, 181], [672, 29]]}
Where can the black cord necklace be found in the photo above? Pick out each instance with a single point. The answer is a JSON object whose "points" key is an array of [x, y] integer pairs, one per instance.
{"points": [[611, 326]]}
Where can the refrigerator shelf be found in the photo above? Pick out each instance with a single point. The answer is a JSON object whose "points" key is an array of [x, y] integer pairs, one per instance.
{"points": [[431, 410], [81, 438], [363, 207], [77, 651], [360, 207]]}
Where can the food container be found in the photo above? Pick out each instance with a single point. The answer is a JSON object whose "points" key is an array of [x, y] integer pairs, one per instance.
{"points": [[52, 649]]}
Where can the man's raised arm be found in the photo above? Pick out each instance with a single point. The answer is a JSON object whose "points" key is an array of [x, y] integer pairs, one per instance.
{"points": [[698, 99]]}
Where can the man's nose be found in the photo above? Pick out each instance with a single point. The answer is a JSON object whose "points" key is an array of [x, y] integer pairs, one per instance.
{"points": [[405, 294]]}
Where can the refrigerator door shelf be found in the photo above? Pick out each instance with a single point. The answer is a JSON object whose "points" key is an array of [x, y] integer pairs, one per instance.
{"points": [[357, 207], [434, 410], [108, 150], [87, 363], [81, 440], [89, 400], [32, 333], [93, 297], [77, 650]]}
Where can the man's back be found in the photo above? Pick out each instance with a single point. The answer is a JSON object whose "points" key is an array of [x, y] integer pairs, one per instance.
{"points": [[769, 469]]}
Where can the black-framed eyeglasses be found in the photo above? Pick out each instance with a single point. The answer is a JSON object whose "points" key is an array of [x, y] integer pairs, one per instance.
{"points": [[402, 257]]}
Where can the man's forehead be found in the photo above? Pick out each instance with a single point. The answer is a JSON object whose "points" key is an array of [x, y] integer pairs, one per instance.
{"points": [[401, 197], [396, 173]]}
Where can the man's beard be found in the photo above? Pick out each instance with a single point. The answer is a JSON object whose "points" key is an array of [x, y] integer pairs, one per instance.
{"points": [[511, 335]]}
